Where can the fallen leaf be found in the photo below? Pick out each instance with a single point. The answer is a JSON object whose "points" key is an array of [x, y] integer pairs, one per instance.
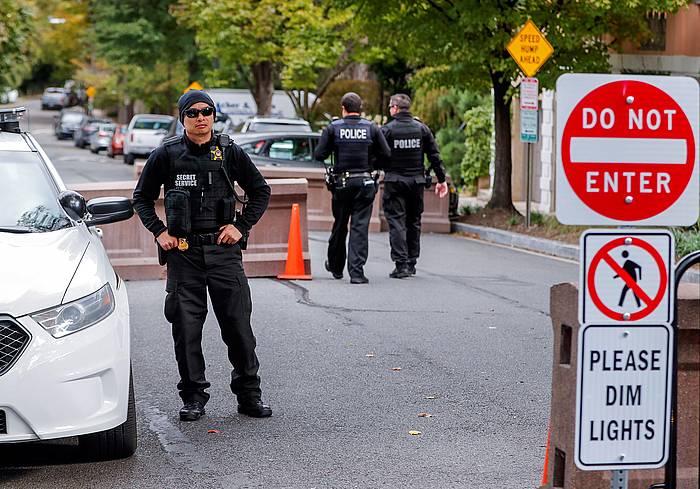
{"points": [[396, 369], [370, 355], [431, 397], [414, 433], [425, 415], [212, 431]]}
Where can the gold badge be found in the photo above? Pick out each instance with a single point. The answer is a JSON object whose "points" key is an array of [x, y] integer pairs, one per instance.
{"points": [[217, 154], [182, 244]]}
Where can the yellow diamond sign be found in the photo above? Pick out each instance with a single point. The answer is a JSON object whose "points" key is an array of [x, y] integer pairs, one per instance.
{"points": [[530, 49]]}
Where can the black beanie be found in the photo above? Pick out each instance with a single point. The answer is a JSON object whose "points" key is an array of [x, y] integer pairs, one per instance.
{"points": [[191, 97]]}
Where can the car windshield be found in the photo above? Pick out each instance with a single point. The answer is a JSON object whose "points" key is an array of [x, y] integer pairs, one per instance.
{"points": [[152, 124], [30, 204], [72, 117], [277, 127], [55, 90], [107, 127]]}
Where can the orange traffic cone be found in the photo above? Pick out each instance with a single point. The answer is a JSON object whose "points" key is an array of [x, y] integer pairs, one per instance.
{"points": [[294, 269], [545, 470]]}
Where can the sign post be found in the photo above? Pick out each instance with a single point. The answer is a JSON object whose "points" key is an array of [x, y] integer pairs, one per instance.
{"points": [[530, 50]]}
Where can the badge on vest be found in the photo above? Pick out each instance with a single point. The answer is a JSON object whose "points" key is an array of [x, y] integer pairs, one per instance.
{"points": [[186, 180], [216, 154]]}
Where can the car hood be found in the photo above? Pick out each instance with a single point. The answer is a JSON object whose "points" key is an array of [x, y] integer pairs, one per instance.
{"points": [[37, 268]]}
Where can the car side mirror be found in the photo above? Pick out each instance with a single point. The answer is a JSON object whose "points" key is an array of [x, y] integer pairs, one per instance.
{"points": [[73, 203], [106, 210]]}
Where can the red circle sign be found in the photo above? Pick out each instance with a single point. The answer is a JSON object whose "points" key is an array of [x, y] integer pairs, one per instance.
{"points": [[651, 303], [628, 150]]}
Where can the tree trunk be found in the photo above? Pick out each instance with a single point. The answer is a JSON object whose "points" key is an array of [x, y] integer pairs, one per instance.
{"points": [[502, 197], [263, 86]]}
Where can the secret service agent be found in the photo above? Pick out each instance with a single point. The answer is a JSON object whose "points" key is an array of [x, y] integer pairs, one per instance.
{"points": [[202, 249], [356, 145], [404, 181]]}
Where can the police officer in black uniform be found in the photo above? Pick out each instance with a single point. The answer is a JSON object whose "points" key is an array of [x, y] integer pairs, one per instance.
{"points": [[357, 146], [202, 246], [404, 181]]}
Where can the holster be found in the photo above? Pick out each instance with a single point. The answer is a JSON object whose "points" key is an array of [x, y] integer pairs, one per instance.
{"points": [[162, 255], [428, 179], [243, 242], [177, 212]]}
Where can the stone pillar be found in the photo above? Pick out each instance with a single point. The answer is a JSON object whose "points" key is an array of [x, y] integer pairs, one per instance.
{"points": [[562, 470]]}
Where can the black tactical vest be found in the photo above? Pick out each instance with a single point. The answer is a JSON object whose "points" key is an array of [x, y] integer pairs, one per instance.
{"points": [[203, 177], [353, 138], [405, 141]]}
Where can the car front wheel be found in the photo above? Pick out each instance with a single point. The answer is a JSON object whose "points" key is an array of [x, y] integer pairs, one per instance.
{"points": [[129, 159], [119, 442]]}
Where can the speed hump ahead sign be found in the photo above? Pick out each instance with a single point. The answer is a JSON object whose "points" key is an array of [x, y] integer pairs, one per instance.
{"points": [[626, 276], [627, 150]]}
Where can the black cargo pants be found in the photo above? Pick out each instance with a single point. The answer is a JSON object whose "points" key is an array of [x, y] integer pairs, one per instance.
{"points": [[351, 203], [220, 270], [403, 205]]}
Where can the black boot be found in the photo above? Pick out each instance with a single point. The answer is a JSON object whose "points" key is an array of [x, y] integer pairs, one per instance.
{"points": [[191, 411], [400, 271], [336, 276], [254, 408], [412, 268]]}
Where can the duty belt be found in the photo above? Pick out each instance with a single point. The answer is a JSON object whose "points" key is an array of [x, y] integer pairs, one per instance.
{"points": [[202, 239], [353, 174]]}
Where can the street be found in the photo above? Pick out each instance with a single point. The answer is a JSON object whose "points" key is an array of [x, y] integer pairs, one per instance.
{"points": [[347, 370]]}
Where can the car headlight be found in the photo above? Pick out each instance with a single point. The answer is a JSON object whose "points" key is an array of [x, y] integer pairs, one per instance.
{"points": [[79, 314]]}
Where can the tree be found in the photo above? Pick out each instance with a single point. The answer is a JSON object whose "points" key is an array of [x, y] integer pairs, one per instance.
{"points": [[463, 43], [17, 30], [244, 36]]}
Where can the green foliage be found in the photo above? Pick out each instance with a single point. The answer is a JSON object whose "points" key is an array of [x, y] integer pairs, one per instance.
{"points": [[537, 218], [687, 239], [478, 130], [367, 89], [515, 219], [450, 141], [17, 30]]}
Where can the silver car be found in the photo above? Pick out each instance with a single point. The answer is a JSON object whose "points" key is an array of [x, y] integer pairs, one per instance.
{"points": [[101, 138]]}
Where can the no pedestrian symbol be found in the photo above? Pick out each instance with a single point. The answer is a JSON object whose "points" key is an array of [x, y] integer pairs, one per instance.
{"points": [[628, 150], [626, 277]]}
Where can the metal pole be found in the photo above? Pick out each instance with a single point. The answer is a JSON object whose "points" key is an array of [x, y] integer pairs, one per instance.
{"points": [[670, 472], [619, 479], [528, 184]]}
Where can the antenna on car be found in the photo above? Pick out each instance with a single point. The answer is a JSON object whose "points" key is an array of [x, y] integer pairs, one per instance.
{"points": [[9, 119]]}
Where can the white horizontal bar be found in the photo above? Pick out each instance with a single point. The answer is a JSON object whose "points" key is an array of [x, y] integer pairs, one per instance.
{"points": [[628, 150]]}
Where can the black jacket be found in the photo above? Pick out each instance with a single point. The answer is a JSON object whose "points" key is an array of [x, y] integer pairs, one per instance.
{"points": [[404, 162], [239, 166], [362, 149]]}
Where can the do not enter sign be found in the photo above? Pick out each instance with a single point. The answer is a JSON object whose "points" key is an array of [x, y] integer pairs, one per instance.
{"points": [[627, 150]]}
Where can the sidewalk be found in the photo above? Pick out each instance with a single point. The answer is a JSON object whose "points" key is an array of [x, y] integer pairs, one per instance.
{"points": [[530, 243]]}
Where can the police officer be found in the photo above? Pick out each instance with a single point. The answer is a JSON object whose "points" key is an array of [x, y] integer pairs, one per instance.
{"points": [[203, 249], [356, 145], [404, 181]]}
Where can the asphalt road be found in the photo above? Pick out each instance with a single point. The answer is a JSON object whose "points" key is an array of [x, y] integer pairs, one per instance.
{"points": [[347, 369]]}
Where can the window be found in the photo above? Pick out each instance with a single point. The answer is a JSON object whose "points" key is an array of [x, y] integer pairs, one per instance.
{"points": [[254, 147], [293, 149], [656, 22], [29, 199], [152, 124]]}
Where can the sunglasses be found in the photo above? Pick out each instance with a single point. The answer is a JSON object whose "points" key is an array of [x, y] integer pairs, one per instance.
{"points": [[192, 113]]}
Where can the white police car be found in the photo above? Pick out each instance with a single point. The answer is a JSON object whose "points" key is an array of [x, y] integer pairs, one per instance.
{"points": [[64, 313]]}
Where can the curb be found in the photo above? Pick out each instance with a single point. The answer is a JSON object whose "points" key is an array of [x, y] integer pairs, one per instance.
{"points": [[540, 245]]}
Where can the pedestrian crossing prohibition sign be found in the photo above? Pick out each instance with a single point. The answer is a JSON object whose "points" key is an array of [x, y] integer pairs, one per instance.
{"points": [[626, 277]]}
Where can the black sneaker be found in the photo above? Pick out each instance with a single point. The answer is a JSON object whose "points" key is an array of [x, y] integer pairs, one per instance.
{"points": [[191, 411], [360, 279], [255, 409], [411, 269], [336, 276], [400, 271]]}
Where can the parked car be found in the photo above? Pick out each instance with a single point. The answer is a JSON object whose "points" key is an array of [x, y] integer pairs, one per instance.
{"points": [[64, 312], [89, 125], [57, 98], [102, 138], [67, 122], [8, 95], [116, 144], [271, 124], [145, 132], [292, 149]]}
